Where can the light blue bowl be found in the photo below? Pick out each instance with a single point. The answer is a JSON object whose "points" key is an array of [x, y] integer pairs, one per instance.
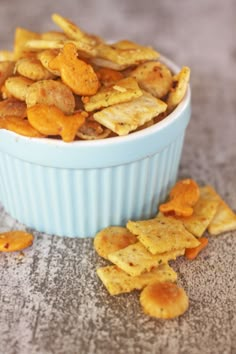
{"points": [[75, 189]]}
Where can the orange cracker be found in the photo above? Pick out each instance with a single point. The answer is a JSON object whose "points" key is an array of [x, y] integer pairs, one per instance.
{"points": [[15, 241], [50, 120], [75, 73], [183, 196], [19, 126], [203, 212]]}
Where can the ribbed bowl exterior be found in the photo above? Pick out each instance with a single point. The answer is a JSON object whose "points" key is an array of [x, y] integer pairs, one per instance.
{"points": [[79, 202]]}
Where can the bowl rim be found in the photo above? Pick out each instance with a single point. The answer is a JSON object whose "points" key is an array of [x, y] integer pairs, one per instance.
{"points": [[117, 139]]}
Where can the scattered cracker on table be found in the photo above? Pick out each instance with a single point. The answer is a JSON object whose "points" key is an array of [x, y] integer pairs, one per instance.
{"points": [[136, 259], [224, 220], [12, 241], [162, 234], [117, 281], [164, 300], [112, 239], [183, 196], [203, 212]]}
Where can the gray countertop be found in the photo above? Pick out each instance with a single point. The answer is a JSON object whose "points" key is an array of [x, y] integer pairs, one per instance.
{"points": [[51, 300]]}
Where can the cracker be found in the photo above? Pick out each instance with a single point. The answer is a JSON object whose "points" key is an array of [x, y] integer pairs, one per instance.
{"points": [[32, 69], [112, 239], [22, 36], [126, 53], [72, 30], [183, 196], [18, 86], [20, 126], [75, 73], [46, 56], [164, 300], [153, 77], [12, 241], [53, 35], [223, 221], [179, 88], [135, 259], [117, 281], [92, 130], [203, 212], [162, 234], [36, 45], [50, 120], [108, 77], [125, 117], [12, 107], [51, 92], [6, 70], [6, 55], [124, 90]]}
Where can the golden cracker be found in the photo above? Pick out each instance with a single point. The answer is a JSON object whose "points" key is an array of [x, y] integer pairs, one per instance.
{"points": [[135, 259], [125, 117], [223, 221], [162, 234], [17, 86], [203, 212], [164, 300], [179, 88], [153, 77], [126, 53], [117, 281], [124, 90], [112, 239]]}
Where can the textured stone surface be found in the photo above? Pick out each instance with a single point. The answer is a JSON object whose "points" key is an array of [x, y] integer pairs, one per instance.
{"points": [[51, 301]]}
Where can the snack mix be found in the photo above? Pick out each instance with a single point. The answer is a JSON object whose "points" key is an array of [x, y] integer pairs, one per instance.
{"points": [[72, 85], [140, 252]]}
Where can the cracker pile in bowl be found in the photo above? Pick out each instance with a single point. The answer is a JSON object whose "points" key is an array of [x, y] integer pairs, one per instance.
{"points": [[71, 85], [141, 251]]}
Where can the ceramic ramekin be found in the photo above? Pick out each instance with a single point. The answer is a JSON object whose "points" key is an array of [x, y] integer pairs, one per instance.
{"points": [[75, 189]]}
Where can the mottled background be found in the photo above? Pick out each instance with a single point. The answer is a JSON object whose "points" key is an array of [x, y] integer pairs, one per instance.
{"points": [[51, 301]]}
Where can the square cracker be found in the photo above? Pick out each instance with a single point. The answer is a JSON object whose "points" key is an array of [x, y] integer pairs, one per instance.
{"points": [[124, 90], [117, 281], [126, 53], [223, 221], [162, 234], [203, 211], [122, 118], [135, 259]]}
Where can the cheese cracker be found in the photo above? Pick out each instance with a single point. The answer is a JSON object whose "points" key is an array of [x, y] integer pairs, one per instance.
{"points": [[223, 221], [117, 281], [203, 212], [135, 259], [124, 90], [164, 300], [162, 234], [125, 117], [112, 239]]}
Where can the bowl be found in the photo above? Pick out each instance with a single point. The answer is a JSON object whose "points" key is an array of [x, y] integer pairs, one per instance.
{"points": [[76, 189]]}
